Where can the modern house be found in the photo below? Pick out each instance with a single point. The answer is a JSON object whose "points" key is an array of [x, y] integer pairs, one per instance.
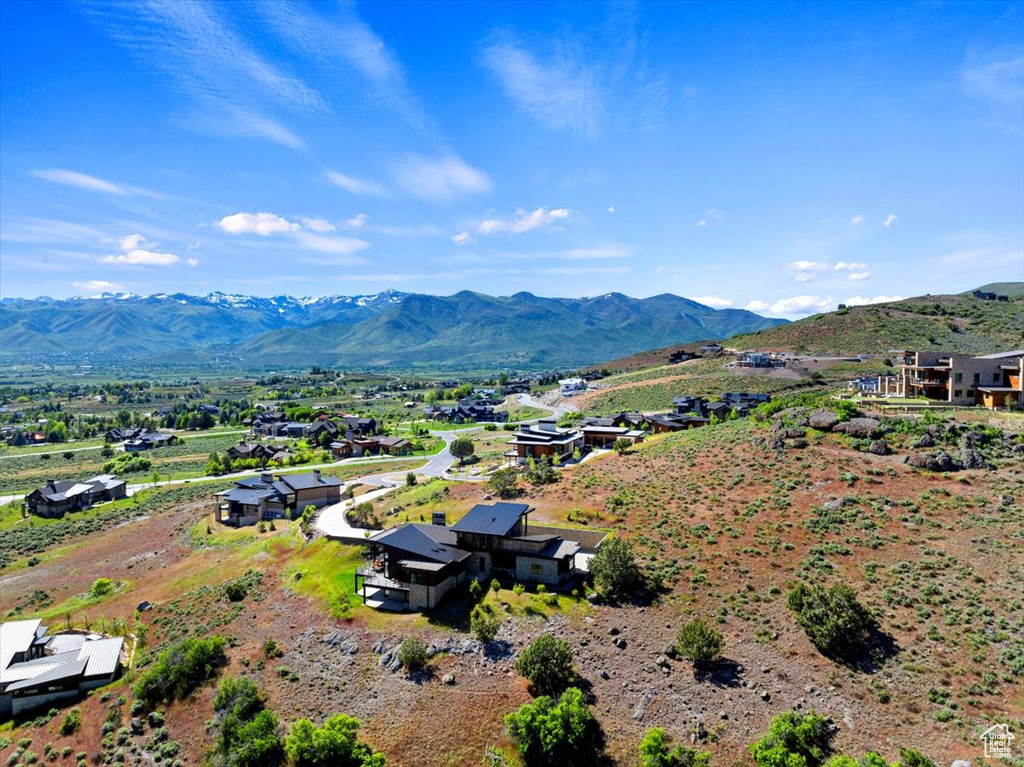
{"points": [[544, 439], [259, 452], [275, 497], [415, 565], [667, 422], [602, 436], [37, 670], [55, 499], [992, 380], [569, 386], [147, 440]]}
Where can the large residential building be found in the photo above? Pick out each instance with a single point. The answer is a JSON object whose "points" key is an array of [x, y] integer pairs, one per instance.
{"points": [[55, 499], [545, 439], [415, 565], [37, 670], [275, 497], [991, 380]]}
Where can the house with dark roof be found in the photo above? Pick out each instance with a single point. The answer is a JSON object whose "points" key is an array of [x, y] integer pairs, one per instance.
{"points": [[274, 497], [667, 422], [147, 440], [544, 439], [415, 565], [37, 670], [55, 499], [604, 436]]}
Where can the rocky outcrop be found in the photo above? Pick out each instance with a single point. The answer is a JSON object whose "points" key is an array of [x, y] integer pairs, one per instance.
{"points": [[863, 428], [940, 461], [822, 420]]}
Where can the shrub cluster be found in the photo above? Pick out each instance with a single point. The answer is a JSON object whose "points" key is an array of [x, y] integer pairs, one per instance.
{"points": [[181, 669]]}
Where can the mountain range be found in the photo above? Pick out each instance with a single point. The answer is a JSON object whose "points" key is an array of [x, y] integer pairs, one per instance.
{"points": [[385, 329]]}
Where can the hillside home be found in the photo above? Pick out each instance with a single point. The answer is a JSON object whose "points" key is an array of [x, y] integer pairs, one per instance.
{"points": [[274, 497], [668, 422], [569, 386], [545, 438], [992, 380], [415, 565], [147, 440], [55, 499], [605, 436], [711, 348], [37, 670], [259, 452]]}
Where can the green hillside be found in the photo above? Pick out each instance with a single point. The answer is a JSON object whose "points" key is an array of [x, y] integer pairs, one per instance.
{"points": [[1011, 289], [957, 323]]}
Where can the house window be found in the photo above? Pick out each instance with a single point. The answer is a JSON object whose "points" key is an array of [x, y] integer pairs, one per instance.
{"points": [[958, 393], [536, 569], [977, 378], [959, 377]]}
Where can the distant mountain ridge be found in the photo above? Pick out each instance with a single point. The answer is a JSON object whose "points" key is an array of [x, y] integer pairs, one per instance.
{"points": [[387, 328]]}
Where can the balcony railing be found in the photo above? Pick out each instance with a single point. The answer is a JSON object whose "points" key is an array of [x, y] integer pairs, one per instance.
{"points": [[379, 580]]}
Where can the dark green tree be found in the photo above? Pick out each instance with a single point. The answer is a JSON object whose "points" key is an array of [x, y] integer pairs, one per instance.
{"points": [[547, 663], [616, 572]]}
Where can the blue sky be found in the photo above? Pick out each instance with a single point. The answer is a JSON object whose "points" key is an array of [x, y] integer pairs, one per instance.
{"points": [[782, 157]]}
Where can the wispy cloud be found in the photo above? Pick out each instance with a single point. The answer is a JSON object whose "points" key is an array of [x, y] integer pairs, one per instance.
{"points": [[358, 186], [133, 254], [584, 81], [91, 183], [205, 58], [523, 221], [98, 286], [342, 37], [849, 266], [713, 301], [890, 220], [439, 180], [318, 225], [463, 238], [994, 75], [805, 271], [357, 221], [858, 219], [711, 216], [611, 208], [859, 276]]}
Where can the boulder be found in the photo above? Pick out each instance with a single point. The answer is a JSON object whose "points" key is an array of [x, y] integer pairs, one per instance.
{"points": [[926, 440], [864, 428], [879, 447], [794, 433], [940, 461], [799, 444], [972, 459], [822, 420], [448, 679]]}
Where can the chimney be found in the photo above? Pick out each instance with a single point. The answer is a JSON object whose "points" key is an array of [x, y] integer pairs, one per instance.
{"points": [[267, 478], [547, 424], [439, 518], [316, 474], [51, 484]]}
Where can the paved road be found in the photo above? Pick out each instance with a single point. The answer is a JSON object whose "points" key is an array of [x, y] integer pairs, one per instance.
{"points": [[556, 411], [436, 464]]}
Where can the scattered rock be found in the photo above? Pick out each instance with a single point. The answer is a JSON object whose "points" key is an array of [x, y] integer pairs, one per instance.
{"points": [[823, 420], [613, 631], [620, 643], [663, 661], [766, 696], [926, 440], [641, 707], [794, 433], [1006, 500], [603, 674], [1018, 448], [798, 444], [960, 763], [865, 428], [138, 726], [972, 459], [940, 461], [594, 598], [448, 679], [879, 447]]}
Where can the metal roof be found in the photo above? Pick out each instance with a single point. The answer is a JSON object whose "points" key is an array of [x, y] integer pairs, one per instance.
{"points": [[306, 481], [33, 668], [1002, 355], [496, 519], [432, 542], [557, 549], [71, 667], [102, 655], [247, 497], [16, 637]]}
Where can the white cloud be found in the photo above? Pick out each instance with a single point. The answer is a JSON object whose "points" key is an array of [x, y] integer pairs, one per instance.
{"points": [[98, 286], [560, 93], [610, 251], [463, 238], [890, 220], [193, 262], [360, 186], [80, 180], [91, 183], [850, 266], [611, 208], [859, 275], [341, 246], [713, 301], [861, 300], [318, 225], [439, 180], [797, 306], [523, 221], [806, 266], [711, 216], [134, 255], [996, 75], [357, 221], [858, 219], [804, 277], [263, 224]]}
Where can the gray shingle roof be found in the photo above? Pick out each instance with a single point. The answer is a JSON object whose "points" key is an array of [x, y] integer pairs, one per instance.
{"points": [[496, 519], [432, 542]]}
